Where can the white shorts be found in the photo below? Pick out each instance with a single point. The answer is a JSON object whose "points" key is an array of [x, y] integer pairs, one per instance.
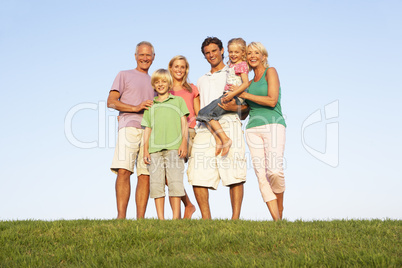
{"points": [[205, 169], [129, 151]]}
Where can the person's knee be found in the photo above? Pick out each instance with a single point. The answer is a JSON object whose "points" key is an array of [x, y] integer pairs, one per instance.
{"points": [[123, 174], [200, 192], [143, 179], [237, 184], [276, 178]]}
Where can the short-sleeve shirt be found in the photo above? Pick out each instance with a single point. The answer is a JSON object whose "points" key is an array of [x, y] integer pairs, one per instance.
{"points": [[164, 118], [189, 99], [233, 76], [211, 85], [134, 88]]}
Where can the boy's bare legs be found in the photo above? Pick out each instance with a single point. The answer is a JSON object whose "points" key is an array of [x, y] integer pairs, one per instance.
{"points": [[273, 209], [160, 207], [142, 195], [123, 190], [279, 199], [175, 204], [189, 208], [223, 142], [202, 196]]}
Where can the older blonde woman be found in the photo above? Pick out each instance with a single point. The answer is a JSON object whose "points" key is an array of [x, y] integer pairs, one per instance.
{"points": [[265, 131]]}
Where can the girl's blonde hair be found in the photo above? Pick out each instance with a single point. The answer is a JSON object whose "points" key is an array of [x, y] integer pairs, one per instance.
{"points": [[184, 83], [242, 44], [260, 47], [162, 74]]}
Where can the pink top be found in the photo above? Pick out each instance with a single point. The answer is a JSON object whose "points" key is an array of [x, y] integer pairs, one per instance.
{"points": [[189, 99], [233, 75], [134, 88]]}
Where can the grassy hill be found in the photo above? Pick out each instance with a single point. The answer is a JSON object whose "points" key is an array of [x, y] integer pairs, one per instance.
{"points": [[199, 243]]}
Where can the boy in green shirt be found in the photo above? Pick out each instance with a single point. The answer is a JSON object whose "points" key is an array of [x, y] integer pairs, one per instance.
{"points": [[165, 146]]}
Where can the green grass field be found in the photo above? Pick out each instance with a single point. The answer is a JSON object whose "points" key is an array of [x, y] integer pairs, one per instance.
{"points": [[199, 243]]}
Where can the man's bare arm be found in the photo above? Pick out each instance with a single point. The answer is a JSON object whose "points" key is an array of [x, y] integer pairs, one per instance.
{"points": [[242, 110]]}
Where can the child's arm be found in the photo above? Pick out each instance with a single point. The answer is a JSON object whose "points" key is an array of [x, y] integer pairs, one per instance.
{"points": [[184, 134], [147, 156], [230, 95]]}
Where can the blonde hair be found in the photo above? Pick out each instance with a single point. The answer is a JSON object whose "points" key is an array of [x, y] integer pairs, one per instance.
{"points": [[260, 47], [242, 44], [161, 74], [184, 83]]}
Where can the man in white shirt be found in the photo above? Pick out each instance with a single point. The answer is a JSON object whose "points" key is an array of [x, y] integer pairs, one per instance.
{"points": [[205, 170]]}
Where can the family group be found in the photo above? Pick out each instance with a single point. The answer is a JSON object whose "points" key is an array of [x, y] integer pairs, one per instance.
{"points": [[165, 121]]}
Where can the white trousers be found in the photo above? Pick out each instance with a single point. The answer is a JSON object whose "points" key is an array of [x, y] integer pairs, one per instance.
{"points": [[267, 145]]}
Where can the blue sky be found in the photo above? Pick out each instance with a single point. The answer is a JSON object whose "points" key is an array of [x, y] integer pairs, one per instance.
{"points": [[339, 65]]}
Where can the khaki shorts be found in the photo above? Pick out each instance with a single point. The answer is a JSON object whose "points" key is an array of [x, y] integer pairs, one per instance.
{"points": [[191, 136], [129, 151], [166, 164], [205, 169]]}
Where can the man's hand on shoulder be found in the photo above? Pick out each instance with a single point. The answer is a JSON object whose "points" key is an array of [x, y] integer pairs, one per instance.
{"points": [[143, 106]]}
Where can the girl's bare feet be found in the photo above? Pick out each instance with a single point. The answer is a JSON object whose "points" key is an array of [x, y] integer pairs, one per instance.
{"points": [[218, 147], [226, 146]]}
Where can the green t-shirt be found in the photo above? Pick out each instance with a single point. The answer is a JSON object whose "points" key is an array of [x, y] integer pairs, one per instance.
{"points": [[259, 114], [164, 118]]}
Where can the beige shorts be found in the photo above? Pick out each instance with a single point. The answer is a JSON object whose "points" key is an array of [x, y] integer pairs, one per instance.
{"points": [[129, 151], [166, 164], [191, 136], [205, 169]]}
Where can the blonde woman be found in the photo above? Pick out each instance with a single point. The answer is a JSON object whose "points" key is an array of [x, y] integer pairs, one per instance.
{"points": [[265, 131], [179, 69]]}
